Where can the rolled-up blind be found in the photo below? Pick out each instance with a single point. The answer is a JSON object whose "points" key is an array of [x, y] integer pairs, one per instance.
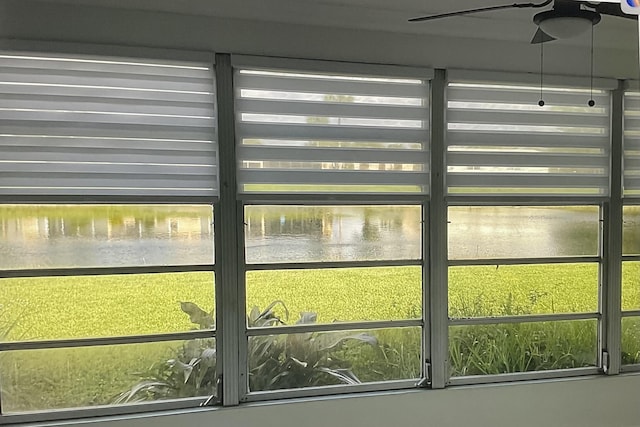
{"points": [[316, 132], [501, 142], [104, 126], [631, 158]]}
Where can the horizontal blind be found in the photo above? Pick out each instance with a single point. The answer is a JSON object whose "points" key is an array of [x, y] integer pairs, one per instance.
{"points": [[97, 126], [631, 157], [330, 133], [501, 142]]}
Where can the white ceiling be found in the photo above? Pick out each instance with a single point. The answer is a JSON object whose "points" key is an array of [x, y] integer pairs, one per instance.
{"points": [[381, 15]]}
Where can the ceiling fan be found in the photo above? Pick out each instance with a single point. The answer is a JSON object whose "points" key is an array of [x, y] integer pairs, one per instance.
{"points": [[566, 18]]}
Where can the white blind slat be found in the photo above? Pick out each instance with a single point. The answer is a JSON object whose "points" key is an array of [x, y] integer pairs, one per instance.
{"points": [[330, 109], [108, 82], [320, 132], [489, 139], [343, 177], [106, 105], [327, 84], [569, 123], [527, 159]]}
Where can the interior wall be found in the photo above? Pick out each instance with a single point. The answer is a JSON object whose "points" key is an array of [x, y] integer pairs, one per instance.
{"points": [[583, 402], [33, 20]]}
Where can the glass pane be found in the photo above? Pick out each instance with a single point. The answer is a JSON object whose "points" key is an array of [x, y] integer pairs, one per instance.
{"points": [[330, 358], [509, 290], [48, 236], [630, 340], [522, 231], [35, 380], [631, 230], [346, 294], [99, 306], [522, 347], [631, 285], [332, 233]]}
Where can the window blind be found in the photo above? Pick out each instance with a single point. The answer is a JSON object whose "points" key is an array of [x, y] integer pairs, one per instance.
{"points": [[103, 126], [631, 157], [317, 132], [501, 142]]}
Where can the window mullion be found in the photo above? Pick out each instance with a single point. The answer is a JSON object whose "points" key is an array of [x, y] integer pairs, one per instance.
{"points": [[612, 255], [229, 308], [436, 299]]}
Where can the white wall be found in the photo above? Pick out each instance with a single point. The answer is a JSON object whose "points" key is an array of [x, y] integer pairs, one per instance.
{"points": [[28, 19], [583, 402], [586, 402]]}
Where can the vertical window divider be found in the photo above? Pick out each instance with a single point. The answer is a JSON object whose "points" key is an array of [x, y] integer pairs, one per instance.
{"points": [[229, 310], [612, 248], [435, 275]]}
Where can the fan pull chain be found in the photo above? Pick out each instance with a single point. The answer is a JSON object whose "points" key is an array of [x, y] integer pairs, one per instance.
{"points": [[541, 102], [591, 102]]}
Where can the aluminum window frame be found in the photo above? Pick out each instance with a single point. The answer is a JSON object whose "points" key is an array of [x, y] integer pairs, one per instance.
{"points": [[599, 316], [85, 342], [255, 396], [135, 53], [245, 200], [608, 282], [230, 267]]}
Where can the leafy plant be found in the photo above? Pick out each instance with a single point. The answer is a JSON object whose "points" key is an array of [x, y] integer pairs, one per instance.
{"points": [[191, 372], [276, 361], [301, 359]]}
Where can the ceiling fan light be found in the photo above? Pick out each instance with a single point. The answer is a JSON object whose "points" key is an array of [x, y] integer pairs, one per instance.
{"points": [[564, 27]]}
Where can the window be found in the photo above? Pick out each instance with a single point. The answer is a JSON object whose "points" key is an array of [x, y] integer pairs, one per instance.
{"points": [[334, 262], [106, 233], [524, 271], [376, 228], [523, 288], [631, 235]]}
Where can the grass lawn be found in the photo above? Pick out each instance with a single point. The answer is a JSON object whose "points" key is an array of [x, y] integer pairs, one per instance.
{"points": [[52, 308]]}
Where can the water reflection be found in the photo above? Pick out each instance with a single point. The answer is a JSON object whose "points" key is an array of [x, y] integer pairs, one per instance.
{"points": [[631, 231], [332, 233], [87, 236], [90, 236], [522, 232]]}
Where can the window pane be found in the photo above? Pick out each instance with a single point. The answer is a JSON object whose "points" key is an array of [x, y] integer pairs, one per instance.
{"points": [[630, 340], [331, 358], [34, 380], [521, 347], [48, 236], [631, 285], [631, 230], [99, 306], [522, 231], [332, 233], [508, 290], [346, 294]]}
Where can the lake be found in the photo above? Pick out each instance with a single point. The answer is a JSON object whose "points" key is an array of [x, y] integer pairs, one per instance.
{"points": [[103, 236]]}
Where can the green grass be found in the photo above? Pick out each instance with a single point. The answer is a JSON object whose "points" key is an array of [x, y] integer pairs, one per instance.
{"points": [[89, 306], [100, 306]]}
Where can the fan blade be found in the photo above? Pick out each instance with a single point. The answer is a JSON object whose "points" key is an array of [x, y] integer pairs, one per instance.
{"points": [[481, 9], [611, 9], [541, 37]]}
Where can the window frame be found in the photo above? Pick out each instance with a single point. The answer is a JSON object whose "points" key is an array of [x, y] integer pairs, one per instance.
{"points": [[230, 266], [214, 268]]}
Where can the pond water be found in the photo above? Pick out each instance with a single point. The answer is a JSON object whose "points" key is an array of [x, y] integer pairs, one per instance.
{"points": [[100, 236]]}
